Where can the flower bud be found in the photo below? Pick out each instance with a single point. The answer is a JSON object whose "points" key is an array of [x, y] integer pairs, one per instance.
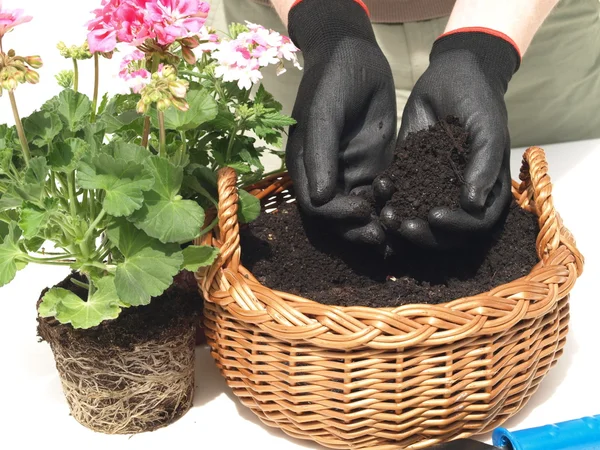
{"points": [[11, 53], [188, 55], [191, 42], [62, 49], [163, 104], [154, 96], [169, 71], [10, 84], [180, 104], [178, 88], [19, 76], [142, 107], [34, 61], [65, 78], [32, 76]]}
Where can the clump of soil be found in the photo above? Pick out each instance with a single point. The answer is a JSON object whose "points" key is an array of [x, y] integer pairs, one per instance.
{"points": [[170, 313], [427, 169], [290, 252], [131, 374]]}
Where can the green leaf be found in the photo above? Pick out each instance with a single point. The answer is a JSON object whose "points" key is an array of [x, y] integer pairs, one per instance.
{"points": [[9, 201], [34, 219], [225, 120], [248, 207], [203, 108], [74, 107], [149, 266], [266, 99], [196, 256], [37, 171], [51, 105], [51, 300], [240, 167], [4, 229], [42, 127], [123, 183], [65, 156], [124, 121], [9, 254], [93, 134], [32, 189], [275, 119], [128, 152], [103, 103], [164, 214], [69, 308], [34, 244]]}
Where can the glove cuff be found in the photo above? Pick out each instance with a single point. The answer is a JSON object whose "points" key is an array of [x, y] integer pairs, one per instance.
{"points": [[321, 24], [497, 54], [360, 2]]}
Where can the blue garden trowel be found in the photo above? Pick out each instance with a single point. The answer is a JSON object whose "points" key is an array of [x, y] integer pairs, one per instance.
{"points": [[580, 434]]}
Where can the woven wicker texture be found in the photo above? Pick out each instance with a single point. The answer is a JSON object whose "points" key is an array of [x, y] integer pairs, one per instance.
{"points": [[389, 378]]}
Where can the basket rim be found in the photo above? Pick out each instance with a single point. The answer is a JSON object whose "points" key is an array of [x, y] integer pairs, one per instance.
{"points": [[286, 316]]}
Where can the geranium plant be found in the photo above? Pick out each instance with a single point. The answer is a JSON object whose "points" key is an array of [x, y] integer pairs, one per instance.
{"points": [[120, 186]]}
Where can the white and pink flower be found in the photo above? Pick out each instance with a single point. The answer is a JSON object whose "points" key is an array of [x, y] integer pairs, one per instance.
{"points": [[242, 58], [133, 71]]}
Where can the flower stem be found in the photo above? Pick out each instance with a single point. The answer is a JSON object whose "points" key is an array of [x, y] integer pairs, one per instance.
{"points": [[162, 149], [62, 257], [210, 226], [76, 76], [80, 284], [19, 125], [146, 132], [91, 288], [182, 148], [72, 198], [230, 145], [96, 82], [92, 227]]}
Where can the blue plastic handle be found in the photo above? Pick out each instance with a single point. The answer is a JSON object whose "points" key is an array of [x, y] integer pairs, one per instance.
{"points": [[579, 434]]}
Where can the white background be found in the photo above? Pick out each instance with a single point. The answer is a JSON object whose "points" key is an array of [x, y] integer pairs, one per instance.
{"points": [[33, 411]]}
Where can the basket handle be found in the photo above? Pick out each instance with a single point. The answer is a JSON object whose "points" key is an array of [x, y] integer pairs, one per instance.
{"points": [[229, 228], [536, 195]]}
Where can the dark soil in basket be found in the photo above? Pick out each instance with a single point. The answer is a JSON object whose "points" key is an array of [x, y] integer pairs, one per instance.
{"points": [[290, 252], [169, 314]]}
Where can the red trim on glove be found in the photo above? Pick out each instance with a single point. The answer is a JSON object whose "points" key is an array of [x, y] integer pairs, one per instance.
{"points": [[496, 33], [360, 2]]}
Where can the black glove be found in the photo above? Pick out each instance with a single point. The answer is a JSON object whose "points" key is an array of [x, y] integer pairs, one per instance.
{"points": [[467, 77], [346, 116]]}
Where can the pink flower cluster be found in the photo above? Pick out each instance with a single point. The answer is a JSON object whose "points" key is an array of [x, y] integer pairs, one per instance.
{"points": [[134, 72], [134, 21], [10, 19], [241, 59]]}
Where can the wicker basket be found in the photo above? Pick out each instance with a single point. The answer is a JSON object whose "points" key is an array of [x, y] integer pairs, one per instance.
{"points": [[389, 378]]}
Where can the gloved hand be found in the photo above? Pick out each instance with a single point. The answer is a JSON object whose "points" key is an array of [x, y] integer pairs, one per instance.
{"points": [[346, 116], [467, 77]]}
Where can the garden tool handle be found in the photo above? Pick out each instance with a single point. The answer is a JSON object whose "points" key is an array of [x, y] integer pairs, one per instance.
{"points": [[579, 434]]}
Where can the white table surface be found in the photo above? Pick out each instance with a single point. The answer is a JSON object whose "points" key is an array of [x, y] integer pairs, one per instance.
{"points": [[34, 413]]}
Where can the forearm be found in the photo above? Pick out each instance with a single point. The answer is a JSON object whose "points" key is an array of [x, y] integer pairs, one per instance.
{"points": [[518, 19], [283, 8]]}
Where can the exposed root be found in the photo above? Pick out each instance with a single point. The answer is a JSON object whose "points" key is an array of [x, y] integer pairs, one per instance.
{"points": [[118, 391]]}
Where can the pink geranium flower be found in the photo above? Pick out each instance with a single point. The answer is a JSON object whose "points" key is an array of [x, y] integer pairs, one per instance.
{"points": [[175, 19], [10, 19], [134, 21]]}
